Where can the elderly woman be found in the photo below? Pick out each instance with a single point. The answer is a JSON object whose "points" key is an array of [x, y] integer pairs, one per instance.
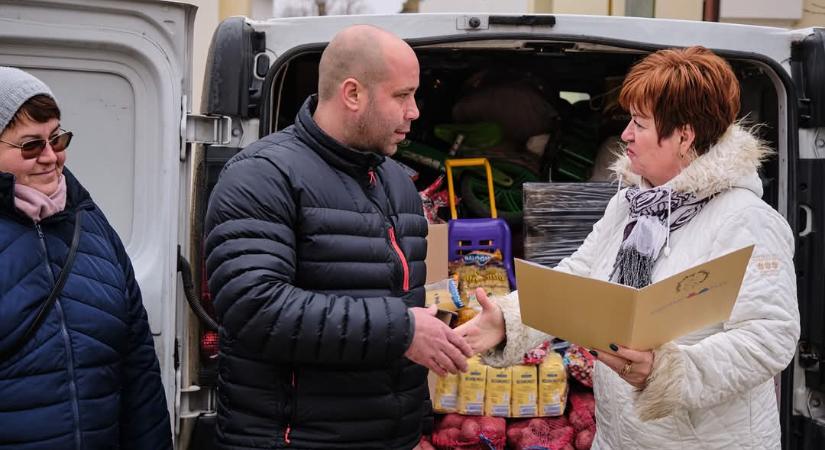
{"points": [[78, 368], [694, 195]]}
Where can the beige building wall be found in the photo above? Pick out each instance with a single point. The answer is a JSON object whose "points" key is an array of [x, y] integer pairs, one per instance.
{"points": [[679, 9], [206, 20], [811, 13], [666, 9], [594, 7], [479, 6], [232, 8], [541, 6], [210, 13], [806, 13]]}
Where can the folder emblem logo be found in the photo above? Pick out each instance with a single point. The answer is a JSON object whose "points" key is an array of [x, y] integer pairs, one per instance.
{"points": [[692, 283]]}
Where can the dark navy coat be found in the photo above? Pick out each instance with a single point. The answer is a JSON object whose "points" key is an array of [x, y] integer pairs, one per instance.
{"points": [[89, 378]]}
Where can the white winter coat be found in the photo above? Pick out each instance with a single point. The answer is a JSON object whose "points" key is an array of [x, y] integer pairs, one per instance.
{"points": [[713, 388]]}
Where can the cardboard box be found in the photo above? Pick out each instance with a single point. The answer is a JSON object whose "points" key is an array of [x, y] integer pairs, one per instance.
{"points": [[594, 313], [437, 246]]}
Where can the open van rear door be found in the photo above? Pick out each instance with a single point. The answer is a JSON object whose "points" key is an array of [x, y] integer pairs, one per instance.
{"points": [[250, 61], [121, 72], [807, 411]]}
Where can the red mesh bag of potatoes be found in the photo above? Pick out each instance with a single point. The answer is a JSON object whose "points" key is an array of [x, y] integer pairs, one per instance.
{"points": [[582, 410], [541, 433], [457, 432], [584, 439], [425, 444]]}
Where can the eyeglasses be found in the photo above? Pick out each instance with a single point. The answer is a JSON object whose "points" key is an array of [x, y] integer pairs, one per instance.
{"points": [[32, 149]]}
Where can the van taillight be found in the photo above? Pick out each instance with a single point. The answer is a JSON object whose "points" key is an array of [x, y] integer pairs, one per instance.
{"points": [[209, 338], [206, 296], [209, 345]]}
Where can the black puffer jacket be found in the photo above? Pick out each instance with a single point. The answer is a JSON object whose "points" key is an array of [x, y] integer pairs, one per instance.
{"points": [[315, 252]]}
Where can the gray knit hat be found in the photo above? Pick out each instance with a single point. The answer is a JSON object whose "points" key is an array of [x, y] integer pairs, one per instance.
{"points": [[17, 86]]}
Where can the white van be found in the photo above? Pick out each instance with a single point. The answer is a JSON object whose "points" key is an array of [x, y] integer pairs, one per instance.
{"points": [[122, 71]]}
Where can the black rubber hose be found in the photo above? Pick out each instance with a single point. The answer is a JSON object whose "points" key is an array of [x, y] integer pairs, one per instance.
{"points": [[189, 292]]}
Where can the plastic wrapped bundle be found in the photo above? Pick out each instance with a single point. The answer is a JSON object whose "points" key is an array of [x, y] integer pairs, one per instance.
{"points": [[558, 216]]}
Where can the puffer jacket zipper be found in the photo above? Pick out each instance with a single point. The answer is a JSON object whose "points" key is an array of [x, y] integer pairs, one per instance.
{"points": [[405, 267], [67, 343], [288, 428]]}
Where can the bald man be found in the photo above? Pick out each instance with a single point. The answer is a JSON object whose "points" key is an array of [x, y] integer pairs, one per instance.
{"points": [[315, 256]]}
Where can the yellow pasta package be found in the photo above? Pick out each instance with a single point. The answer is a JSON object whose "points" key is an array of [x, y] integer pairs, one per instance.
{"points": [[446, 394], [444, 294], [499, 389], [480, 269], [471, 388], [552, 385], [525, 389]]}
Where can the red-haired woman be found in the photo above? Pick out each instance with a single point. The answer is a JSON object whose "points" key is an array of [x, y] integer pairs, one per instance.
{"points": [[694, 194]]}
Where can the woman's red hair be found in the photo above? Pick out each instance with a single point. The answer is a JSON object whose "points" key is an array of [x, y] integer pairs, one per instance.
{"points": [[678, 87]]}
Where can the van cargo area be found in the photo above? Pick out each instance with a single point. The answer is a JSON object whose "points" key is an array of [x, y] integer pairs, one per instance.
{"points": [[540, 111], [537, 95], [544, 110]]}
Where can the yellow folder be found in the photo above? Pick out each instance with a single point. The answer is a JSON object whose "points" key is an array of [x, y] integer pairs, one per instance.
{"points": [[594, 313]]}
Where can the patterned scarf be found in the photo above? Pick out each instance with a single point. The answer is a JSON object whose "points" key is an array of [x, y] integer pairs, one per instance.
{"points": [[651, 211]]}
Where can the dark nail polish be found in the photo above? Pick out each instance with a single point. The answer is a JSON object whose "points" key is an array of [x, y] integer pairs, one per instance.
{"points": [[594, 353], [614, 347]]}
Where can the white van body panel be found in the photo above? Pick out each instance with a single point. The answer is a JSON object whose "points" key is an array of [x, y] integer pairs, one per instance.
{"points": [[767, 43], [119, 71], [286, 33]]}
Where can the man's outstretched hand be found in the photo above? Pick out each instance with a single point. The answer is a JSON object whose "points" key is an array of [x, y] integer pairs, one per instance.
{"points": [[435, 346], [486, 330]]}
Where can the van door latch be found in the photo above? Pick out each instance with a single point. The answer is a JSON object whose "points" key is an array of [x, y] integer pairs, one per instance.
{"points": [[478, 22]]}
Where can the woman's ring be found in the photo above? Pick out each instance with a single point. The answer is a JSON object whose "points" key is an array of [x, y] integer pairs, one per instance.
{"points": [[626, 369]]}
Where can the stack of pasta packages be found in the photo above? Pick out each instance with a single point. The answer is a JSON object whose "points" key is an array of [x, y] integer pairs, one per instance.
{"points": [[544, 403], [456, 295]]}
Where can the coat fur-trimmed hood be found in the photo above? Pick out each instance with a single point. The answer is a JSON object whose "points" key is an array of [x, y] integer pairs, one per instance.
{"points": [[732, 161]]}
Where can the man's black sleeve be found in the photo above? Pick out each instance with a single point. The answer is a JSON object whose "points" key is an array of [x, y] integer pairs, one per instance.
{"points": [[251, 262]]}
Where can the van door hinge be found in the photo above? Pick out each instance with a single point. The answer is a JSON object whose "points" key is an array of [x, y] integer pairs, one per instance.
{"points": [[202, 129]]}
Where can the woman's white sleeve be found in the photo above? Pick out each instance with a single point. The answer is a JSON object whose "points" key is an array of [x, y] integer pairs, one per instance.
{"points": [[758, 341], [519, 337]]}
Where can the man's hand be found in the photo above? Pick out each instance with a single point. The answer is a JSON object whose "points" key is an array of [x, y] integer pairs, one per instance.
{"points": [[486, 330], [435, 346]]}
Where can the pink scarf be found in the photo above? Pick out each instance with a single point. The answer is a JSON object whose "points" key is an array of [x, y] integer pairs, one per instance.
{"points": [[38, 205]]}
